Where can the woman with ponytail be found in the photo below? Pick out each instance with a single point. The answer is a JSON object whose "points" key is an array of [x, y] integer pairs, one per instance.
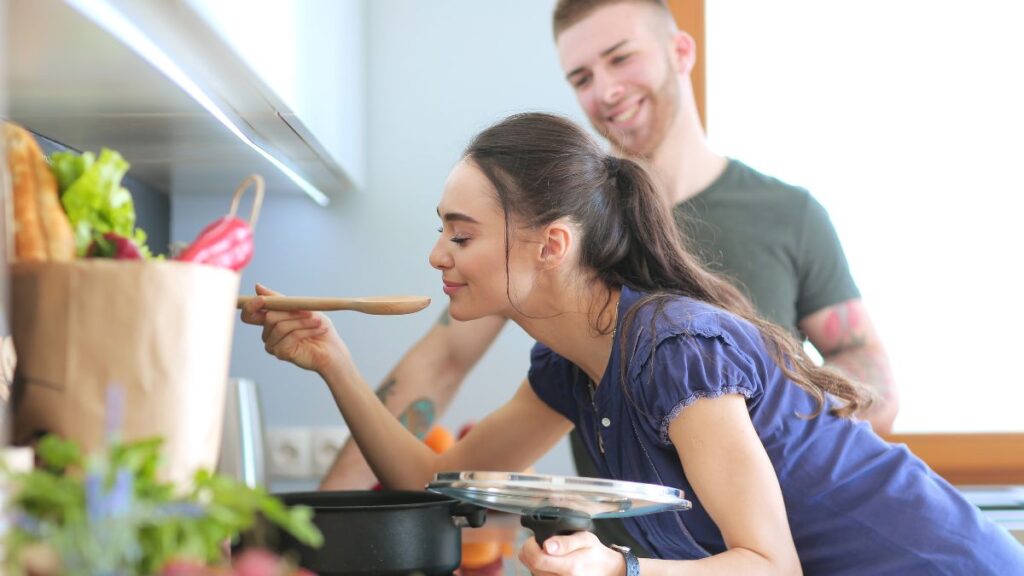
{"points": [[667, 372]]}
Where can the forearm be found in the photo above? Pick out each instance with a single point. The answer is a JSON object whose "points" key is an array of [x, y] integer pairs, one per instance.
{"points": [[845, 336], [350, 471], [395, 455], [733, 561], [416, 405], [869, 365], [570, 556], [420, 388]]}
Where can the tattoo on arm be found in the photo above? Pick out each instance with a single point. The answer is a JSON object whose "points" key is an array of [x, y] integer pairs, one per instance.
{"points": [[385, 389], [419, 417], [843, 329], [846, 346], [445, 318]]}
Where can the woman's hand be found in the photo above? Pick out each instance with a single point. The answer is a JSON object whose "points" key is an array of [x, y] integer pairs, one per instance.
{"points": [[579, 554], [304, 338]]}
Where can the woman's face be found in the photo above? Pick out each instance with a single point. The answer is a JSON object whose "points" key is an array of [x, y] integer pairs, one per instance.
{"points": [[470, 252]]}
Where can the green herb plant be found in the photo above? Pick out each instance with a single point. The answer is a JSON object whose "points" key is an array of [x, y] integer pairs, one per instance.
{"points": [[109, 514]]}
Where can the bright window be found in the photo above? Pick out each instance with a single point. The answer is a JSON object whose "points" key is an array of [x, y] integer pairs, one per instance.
{"points": [[905, 119]]}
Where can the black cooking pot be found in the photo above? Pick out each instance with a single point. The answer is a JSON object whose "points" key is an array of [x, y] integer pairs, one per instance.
{"points": [[369, 533]]}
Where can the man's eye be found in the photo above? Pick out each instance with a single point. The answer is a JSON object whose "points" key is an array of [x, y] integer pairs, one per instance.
{"points": [[620, 58], [581, 82], [460, 240]]}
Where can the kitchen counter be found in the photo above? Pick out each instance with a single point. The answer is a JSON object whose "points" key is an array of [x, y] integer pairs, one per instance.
{"points": [[1002, 504]]}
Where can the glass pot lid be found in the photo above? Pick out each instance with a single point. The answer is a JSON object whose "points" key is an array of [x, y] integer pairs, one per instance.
{"points": [[528, 494]]}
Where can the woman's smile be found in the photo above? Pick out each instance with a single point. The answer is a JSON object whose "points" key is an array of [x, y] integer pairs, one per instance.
{"points": [[450, 288]]}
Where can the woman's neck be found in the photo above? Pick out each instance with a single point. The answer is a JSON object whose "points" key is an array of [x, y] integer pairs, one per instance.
{"points": [[570, 330]]}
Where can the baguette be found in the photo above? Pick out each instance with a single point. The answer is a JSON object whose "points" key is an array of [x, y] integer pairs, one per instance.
{"points": [[60, 241], [42, 229], [29, 240]]}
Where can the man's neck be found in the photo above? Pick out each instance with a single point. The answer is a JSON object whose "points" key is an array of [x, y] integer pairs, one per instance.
{"points": [[684, 163]]}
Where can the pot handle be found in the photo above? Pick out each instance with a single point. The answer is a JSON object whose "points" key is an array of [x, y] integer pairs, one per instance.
{"points": [[466, 514], [546, 524]]}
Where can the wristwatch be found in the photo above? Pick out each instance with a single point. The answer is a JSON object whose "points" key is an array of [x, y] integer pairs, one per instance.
{"points": [[632, 564]]}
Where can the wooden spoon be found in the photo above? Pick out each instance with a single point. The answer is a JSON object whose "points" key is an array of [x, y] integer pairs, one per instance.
{"points": [[386, 305]]}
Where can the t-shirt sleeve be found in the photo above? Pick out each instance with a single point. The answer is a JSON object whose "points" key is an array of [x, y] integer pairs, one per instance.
{"points": [[550, 377], [824, 273], [686, 368]]}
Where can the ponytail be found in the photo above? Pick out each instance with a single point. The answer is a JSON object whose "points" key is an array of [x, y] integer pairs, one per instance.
{"points": [[544, 167], [658, 251]]}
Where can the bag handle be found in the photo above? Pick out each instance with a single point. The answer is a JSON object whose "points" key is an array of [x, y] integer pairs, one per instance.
{"points": [[256, 202]]}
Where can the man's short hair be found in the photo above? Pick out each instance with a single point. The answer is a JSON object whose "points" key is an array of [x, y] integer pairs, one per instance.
{"points": [[570, 12]]}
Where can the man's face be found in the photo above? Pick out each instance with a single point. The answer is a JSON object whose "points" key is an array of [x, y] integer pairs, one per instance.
{"points": [[619, 61]]}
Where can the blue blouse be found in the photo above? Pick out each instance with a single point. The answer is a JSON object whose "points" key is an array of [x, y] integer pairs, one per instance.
{"points": [[856, 504]]}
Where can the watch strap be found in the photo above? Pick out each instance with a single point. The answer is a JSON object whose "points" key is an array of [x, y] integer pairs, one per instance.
{"points": [[632, 564]]}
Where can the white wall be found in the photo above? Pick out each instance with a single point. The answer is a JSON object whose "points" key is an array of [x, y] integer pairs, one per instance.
{"points": [[906, 120], [436, 74]]}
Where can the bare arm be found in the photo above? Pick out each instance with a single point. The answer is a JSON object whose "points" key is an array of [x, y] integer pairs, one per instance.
{"points": [[741, 493], [846, 338], [420, 388], [510, 438]]}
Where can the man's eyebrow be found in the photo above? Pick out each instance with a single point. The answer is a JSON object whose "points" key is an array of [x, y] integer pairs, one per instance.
{"points": [[605, 52], [457, 217]]}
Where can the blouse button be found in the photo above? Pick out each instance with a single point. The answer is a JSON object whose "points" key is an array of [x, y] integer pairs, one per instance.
{"points": [[606, 422]]}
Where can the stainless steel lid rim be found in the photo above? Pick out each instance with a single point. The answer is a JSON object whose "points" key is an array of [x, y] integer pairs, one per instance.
{"points": [[527, 493]]}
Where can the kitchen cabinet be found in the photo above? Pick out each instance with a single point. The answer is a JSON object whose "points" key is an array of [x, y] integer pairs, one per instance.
{"points": [[970, 459], [156, 81]]}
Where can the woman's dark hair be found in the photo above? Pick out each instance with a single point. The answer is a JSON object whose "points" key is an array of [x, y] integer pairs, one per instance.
{"points": [[545, 167]]}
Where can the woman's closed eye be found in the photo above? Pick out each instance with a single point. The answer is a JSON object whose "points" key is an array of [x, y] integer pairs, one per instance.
{"points": [[460, 240]]}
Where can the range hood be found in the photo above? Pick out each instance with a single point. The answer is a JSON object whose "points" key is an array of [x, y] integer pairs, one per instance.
{"points": [[153, 80]]}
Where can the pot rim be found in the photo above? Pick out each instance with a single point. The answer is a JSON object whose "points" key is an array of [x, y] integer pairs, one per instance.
{"points": [[311, 499]]}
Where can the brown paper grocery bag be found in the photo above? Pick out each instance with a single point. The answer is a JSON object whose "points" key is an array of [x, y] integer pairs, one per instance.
{"points": [[160, 331]]}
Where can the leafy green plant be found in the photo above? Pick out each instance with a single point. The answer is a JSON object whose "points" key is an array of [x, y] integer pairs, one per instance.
{"points": [[110, 514]]}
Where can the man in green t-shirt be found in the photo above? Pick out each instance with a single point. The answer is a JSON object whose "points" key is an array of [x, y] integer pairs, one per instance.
{"points": [[630, 68]]}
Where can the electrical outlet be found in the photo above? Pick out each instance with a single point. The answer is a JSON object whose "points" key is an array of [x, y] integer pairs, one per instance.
{"points": [[324, 447], [288, 453]]}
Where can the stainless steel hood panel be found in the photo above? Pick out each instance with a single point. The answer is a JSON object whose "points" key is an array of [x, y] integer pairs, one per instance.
{"points": [[70, 80]]}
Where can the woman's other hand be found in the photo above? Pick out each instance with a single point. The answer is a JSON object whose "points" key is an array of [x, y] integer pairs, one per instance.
{"points": [[572, 555], [306, 339]]}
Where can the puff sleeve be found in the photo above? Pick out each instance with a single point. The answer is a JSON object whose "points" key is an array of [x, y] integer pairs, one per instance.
{"points": [[688, 366]]}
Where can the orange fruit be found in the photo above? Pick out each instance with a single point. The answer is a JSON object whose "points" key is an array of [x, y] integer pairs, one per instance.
{"points": [[439, 439], [479, 554]]}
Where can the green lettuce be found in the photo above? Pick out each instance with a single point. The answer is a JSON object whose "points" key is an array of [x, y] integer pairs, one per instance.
{"points": [[94, 199]]}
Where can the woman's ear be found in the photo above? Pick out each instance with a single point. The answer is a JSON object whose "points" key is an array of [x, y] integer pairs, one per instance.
{"points": [[555, 244]]}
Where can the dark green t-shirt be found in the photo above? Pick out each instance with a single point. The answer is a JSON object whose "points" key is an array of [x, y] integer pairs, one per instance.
{"points": [[772, 239]]}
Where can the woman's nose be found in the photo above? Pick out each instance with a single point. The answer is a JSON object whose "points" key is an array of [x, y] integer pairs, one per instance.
{"points": [[439, 257]]}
